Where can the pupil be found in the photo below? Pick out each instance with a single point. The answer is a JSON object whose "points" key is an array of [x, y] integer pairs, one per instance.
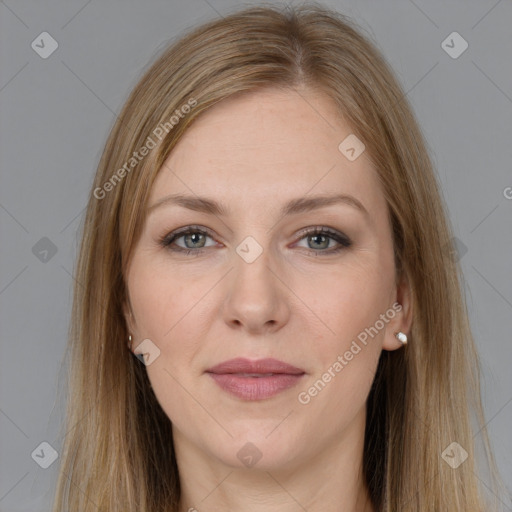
{"points": [[193, 237], [316, 237]]}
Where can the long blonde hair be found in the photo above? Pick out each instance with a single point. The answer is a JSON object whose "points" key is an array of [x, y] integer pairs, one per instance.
{"points": [[118, 448]]}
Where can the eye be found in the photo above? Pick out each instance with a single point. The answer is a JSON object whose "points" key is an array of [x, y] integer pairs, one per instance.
{"points": [[193, 240], [319, 240]]}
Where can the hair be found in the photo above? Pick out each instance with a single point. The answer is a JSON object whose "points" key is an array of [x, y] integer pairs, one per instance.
{"points": [[118, 448]]}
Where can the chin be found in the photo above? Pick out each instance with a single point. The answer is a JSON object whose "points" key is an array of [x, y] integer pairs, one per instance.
{"points": [[254, 451]]}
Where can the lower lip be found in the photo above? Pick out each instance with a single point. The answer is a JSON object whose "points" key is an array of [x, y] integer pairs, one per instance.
{"points": [[255, 388]]}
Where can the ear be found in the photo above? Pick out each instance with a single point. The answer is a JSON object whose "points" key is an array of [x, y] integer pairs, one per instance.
{"points": [[402, 321]]}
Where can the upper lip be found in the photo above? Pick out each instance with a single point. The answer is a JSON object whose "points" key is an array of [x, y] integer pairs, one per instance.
{"points": [[242, 365]]}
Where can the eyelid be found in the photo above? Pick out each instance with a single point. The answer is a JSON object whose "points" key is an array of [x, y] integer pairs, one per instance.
{"points": [[312, 230]]}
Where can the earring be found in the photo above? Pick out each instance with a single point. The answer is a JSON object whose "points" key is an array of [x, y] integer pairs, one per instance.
{"points": [[402, 337], [129, 341]]}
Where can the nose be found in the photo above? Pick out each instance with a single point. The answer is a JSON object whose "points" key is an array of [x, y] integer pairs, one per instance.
{"points": [[256, 298]]}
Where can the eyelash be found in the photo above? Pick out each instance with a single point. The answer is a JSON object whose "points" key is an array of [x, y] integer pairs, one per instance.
{"points": [[343, 241]]}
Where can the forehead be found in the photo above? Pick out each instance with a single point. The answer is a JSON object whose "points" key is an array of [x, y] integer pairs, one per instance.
{"points": [[267, 147]]}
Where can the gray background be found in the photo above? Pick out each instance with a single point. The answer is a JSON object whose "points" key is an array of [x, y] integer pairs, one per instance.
{"points": [[57, 112]]}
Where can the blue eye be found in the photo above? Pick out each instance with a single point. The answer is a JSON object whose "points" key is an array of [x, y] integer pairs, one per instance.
{"points": [[322, 237], [194, 239]]}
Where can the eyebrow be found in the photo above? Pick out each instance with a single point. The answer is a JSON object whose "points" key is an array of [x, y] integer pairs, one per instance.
{"points": [[293, 207]]}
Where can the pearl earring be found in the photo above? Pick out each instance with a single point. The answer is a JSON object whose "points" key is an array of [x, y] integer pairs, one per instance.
{"points": [[402, 337]]}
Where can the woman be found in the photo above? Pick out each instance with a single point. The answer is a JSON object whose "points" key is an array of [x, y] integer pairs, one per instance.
{"points": [[267, 315]]}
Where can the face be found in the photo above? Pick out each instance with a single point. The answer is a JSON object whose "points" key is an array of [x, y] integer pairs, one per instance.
{"points": [[264, 268]]}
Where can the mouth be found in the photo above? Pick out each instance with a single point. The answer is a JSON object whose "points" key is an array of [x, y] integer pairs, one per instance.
{"points": [[255, 380], [255, 374]]}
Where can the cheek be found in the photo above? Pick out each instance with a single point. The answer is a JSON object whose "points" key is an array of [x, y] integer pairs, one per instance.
{"points": [[347, 301], [163, 300], [346, 361], [354, 308], [174, 312]]}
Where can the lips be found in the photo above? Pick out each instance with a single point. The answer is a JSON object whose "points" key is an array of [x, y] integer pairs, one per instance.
{"points": [[255, 368], [255, 380]]}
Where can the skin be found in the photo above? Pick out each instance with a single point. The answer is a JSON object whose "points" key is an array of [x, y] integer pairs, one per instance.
{"points": [[295, 302]]}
